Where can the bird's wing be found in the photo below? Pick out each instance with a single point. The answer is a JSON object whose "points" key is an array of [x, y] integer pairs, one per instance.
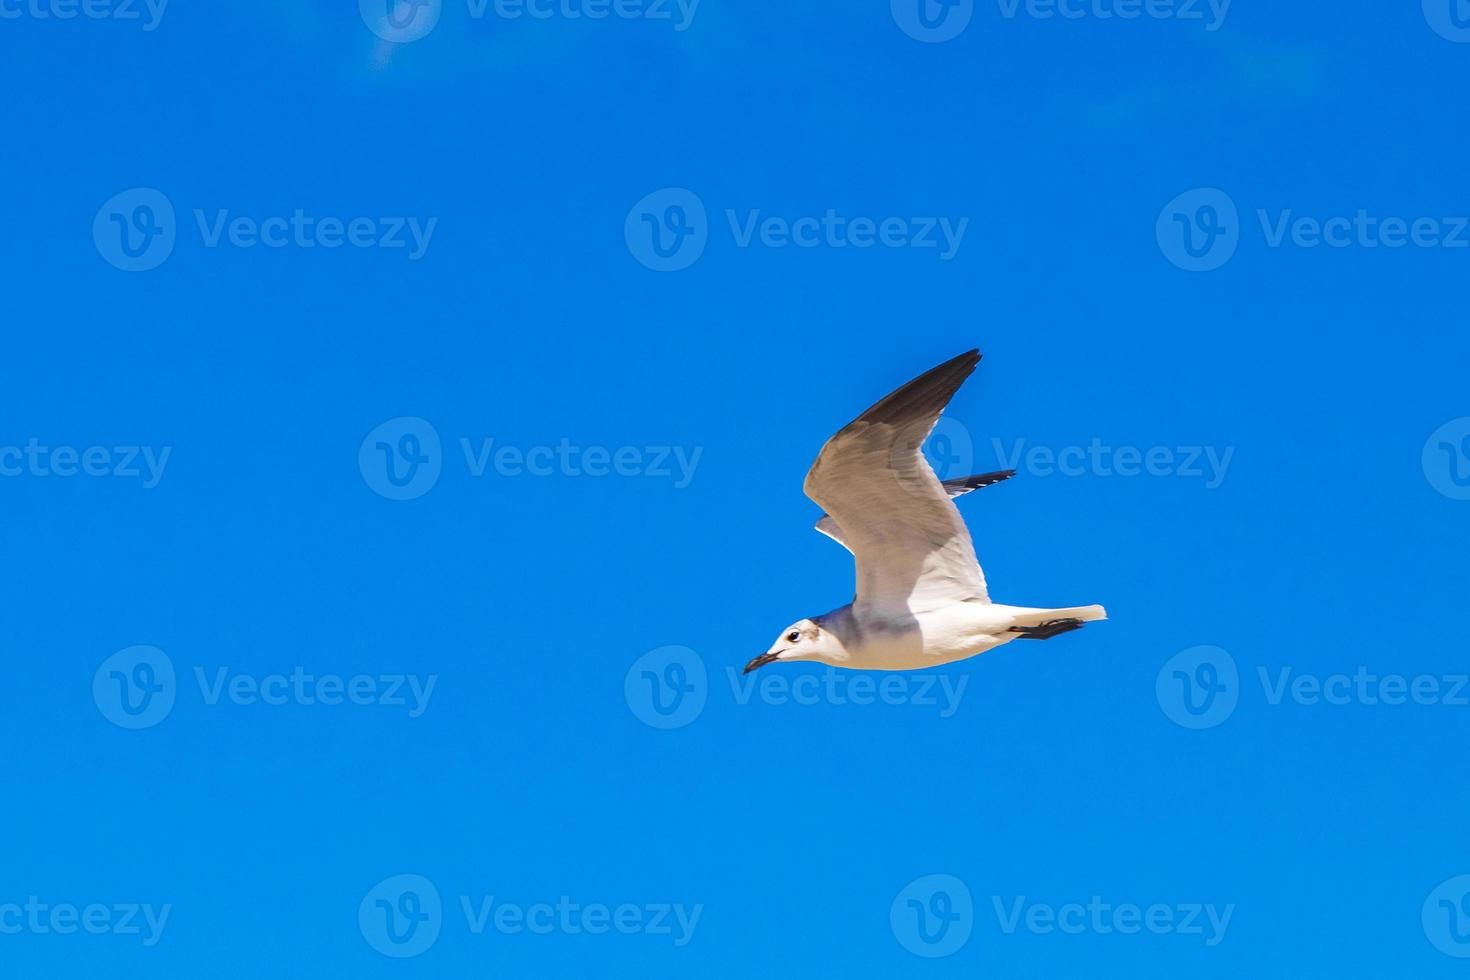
{"points": [[954, 488], [910, 545]]}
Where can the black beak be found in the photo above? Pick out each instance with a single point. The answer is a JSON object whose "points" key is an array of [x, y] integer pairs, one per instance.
{"points": [[761, 661]]}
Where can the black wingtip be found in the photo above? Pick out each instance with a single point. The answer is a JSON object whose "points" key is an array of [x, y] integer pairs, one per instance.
{"points": [[924, 396], [965, 484], [968, 359]]}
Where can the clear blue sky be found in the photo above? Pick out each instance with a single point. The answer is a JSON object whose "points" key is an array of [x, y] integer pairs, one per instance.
{"points": [[653, 405]]}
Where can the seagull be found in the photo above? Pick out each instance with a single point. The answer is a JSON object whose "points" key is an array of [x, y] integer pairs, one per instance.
{"points": [[921, 596]]}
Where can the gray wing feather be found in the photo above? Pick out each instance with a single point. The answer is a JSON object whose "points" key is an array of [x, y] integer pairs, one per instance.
{"points": [[909, 542], [955, 488]]}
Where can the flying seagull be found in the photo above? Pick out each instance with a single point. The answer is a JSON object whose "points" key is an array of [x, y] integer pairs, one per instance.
{"points": [[921, 597]]}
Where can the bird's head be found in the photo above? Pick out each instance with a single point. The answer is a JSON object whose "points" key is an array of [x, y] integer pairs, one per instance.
{"points": [[802, 640]]}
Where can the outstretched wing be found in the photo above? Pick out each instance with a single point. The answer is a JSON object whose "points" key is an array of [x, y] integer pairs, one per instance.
{"points": [[909, 542], [955, 488]]}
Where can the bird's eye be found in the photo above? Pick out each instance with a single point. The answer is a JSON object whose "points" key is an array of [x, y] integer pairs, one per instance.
{"points": [[793, 636]]}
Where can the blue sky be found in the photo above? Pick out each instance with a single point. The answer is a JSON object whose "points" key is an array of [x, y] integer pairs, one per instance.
{"points": [[383, 499]]}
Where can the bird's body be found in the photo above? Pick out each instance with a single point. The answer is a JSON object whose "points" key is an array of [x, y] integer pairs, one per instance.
{"points": [[876, 640], [921, 596]]}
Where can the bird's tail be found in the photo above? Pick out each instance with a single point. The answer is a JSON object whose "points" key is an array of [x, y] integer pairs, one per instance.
{"points": [[1035, 617]]}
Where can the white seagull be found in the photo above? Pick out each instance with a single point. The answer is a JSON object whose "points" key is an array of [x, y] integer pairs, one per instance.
{"points": [[921, 597]]}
